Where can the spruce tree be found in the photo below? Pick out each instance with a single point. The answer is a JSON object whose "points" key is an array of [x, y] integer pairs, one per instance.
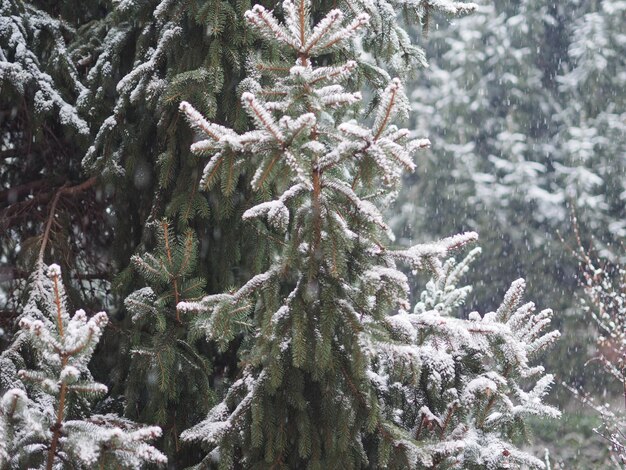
{"points": [[592, 123], [45, 418], [321, 347], [466, 387], [524, 104], [195, 53]]}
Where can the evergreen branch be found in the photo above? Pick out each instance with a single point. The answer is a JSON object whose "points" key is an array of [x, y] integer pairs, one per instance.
{"points": [[173, 278], [189, 203], [265, 22], [361, 20], [329, 22], [196, 119], [336, 73], [213, 167], [262, 116], [261, 181]]}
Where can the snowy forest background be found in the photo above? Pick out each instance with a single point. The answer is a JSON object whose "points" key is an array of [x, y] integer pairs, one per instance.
{"points": [[524, 106]]}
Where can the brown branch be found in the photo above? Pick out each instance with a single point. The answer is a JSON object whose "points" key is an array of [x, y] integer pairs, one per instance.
{"points": [[19, 209], [169, 258], [302, 20], [46, 233], [57, 428], [14, 212], [272, 68], [447, 419], [13, 194], [57, 302], [64, 190], [387, 115]]}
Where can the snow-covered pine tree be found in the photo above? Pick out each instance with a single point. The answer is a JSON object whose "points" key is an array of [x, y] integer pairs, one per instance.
{"points": [[318, 340], [487, 101], [592, 124], [168, 381], [303, 396], [465, 388], [536, 97], [45, 419], [122, 67]]}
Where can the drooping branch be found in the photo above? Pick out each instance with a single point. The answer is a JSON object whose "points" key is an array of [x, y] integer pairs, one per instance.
{"points": [[14, 212]]}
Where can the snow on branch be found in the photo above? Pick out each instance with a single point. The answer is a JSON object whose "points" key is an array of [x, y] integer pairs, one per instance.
{"points": [[264, 22], [429, 253], [328, 33], [393, 101], [214, 131]]}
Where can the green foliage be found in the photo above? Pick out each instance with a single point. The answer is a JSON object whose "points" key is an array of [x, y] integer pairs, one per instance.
{"points": [[462, 388], [169, 379]]}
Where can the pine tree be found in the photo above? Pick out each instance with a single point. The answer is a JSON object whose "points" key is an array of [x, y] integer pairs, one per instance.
{"points": [[311, 328], [592, 122], [498, 155], [534, 93], [42, 133], [45, 421], [120, 69], [459, 385], [317, 334]]}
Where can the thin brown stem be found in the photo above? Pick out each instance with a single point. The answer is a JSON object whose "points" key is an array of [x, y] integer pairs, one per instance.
{"points": [[302, 19], [64, 190], [446, 421], [46, 233], [169, 258], [56, 428], [387, 115]]}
